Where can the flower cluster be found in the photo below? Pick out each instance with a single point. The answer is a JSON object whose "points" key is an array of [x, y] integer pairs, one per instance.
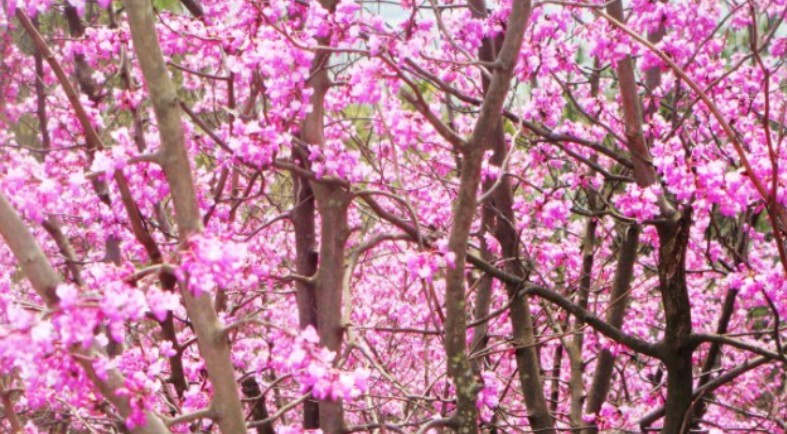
{"points": [[313, 369], [425, 265], [210, 263]]}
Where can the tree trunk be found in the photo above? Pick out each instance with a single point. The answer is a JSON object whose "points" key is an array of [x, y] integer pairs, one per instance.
{"points": [[527, 360], [332, 202], [212, 341], [306, 257], [576, 380], [616, 311], [674, 238]]}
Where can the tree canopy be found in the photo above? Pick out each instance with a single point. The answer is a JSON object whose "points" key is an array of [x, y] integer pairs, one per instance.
{"points": [[340, 216]]}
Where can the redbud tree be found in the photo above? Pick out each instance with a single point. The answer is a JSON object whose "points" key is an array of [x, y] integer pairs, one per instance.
{"points": [[338, 216]]}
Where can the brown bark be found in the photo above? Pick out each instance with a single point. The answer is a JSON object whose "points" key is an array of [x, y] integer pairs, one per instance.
{"points": [[45, 280], [645, 175], [487, 52], [55, 230], [500, 209], [644, 172], [140, 231], [91, 137], [321, 302], [554, 393], [653, 75], [618, 302], [527, 359], [193, 6], [259, 410], [528, 364], [674, 237], [483, 300], [211, 339], [576, 380], [332, 202], [459, 369], [142, 234], [32, 260], [84, 77], [458, 365], [41, 96], [709, 387], [7, 406], [306, 258], [83, 71]]}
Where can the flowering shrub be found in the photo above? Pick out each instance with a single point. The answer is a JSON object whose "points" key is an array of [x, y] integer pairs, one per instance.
{"points": [[294, 216]]}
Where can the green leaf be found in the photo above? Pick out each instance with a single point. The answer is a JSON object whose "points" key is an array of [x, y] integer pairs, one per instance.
{"points": [[169, 5]]}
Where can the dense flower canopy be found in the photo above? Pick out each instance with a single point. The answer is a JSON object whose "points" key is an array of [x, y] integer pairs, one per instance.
{"points": [[286, 216]]}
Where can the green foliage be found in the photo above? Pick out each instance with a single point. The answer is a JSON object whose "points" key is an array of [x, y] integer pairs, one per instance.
{"points": [[169, 5]]}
